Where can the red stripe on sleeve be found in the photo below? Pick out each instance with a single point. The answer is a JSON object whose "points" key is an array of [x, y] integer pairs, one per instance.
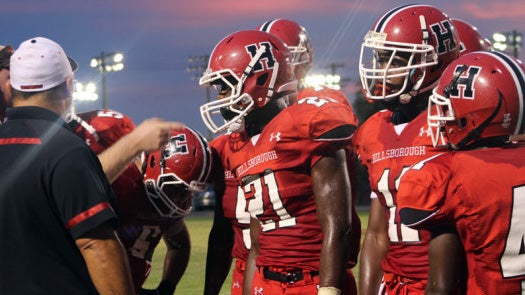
{"points": [[86, 214], [20, 140]]}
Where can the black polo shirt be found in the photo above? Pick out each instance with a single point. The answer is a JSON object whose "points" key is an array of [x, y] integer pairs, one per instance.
{"points": [[52, 191]]}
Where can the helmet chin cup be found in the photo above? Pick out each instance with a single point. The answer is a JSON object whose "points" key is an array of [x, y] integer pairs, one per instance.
{"points": [[237, 126]]}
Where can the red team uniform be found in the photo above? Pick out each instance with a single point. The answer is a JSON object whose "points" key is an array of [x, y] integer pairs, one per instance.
{"points": [[141, 227], [274, 170], [351, 157], [388, 150], [446, 191], [234, 209]]}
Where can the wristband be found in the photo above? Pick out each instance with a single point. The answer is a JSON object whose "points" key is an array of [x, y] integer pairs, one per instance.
{"points": [[329, 291]]}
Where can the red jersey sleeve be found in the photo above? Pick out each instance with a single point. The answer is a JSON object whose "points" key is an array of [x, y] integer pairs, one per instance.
{"points": [[422, 194], [327, 123], [111, 126]]}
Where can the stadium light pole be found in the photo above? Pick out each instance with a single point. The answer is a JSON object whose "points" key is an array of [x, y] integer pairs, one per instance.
{"points": [[105, 63], [197, 66], [508, 41]]}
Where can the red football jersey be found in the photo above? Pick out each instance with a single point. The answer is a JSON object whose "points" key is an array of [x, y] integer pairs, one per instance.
{"points": [[141, 227], [388, 150], [233, 201], [482, 193], [274, 169], [339, 96], [323, 91]]}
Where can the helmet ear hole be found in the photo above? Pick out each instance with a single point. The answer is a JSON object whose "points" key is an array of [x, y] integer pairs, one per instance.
{"points": [[152, 161], [462, 123], [261, 80]]}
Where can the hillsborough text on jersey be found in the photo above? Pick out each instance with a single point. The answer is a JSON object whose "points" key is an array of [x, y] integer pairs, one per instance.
{"points": [[399, 152], [268, 156]]}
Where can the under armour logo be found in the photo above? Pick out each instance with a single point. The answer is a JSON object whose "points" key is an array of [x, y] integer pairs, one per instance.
{"points": [[257, 291], [424, 131], [236, 285], [277, 136]]}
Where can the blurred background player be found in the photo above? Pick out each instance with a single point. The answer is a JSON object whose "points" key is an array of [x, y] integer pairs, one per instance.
{"points": [[471, 39], [401, 60], [171, 177], [230, 233], [295, 181], [141, 224], [298, 41], [478, 106], [5, 57]]}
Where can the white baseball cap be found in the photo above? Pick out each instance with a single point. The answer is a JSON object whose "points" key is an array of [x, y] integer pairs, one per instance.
{"points": [[40, 64]]}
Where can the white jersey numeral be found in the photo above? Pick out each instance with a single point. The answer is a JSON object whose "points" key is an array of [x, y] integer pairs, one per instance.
{"points": [[513, 259], [256, 206], [397, 232], [142, 244], [243, 217]]}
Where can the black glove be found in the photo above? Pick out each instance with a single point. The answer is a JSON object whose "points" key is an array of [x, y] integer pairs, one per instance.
{"points": [[165, 288]]}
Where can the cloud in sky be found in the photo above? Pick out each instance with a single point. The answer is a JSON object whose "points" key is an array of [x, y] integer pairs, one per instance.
{"points": [[495, 10]]}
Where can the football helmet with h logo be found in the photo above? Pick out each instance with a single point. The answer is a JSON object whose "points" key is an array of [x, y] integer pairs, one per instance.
{"points": [[297, 40], [173, 174], [479, 96], [248, 68], [411, 43], [471, 39]]}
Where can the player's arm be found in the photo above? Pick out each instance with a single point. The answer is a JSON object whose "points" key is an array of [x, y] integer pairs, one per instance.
{"points": [[219, 256], [375, 246], [106, 260], [448, 270], [333, 199], [150, 135], [178, 248], [250, 261]]}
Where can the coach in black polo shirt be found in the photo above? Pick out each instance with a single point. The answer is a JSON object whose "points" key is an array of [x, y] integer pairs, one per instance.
{"points": [[56, 216]]}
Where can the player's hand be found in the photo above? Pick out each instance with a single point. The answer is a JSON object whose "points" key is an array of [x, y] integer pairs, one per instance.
{"points": [[152, 134]]}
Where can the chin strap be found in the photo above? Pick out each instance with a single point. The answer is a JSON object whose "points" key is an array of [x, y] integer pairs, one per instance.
{"points": [[249, 69], [475, 133], [407, 97]]}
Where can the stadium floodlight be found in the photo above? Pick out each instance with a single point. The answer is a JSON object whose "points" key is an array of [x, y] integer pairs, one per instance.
{"points": [[105, 63], [507, 41], [332, 81], [85, 92]]}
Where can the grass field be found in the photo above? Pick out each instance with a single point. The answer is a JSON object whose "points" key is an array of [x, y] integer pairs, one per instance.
{"points": [[199, 224]]}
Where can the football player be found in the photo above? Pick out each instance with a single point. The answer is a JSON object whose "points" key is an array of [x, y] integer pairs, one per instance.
{"points": [[477, 193], [5, 99], [153, 194], [230, 233], [471, 39], [291, 167], [401, 60], [298, 41]]}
